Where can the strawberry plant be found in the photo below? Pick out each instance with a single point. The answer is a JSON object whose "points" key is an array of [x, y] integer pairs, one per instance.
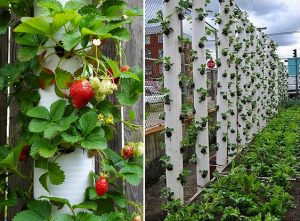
{"points": [[244, 192], [81, 117]]}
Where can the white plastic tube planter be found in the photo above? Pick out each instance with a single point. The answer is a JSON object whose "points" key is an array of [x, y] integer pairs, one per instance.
{"points": [[241, 80], [76, 165], [173, 107], [200, 80], [267, 79], [247, 83], [259, 82], [222, 88], [264, 83], [252, 90], [232, 96]]}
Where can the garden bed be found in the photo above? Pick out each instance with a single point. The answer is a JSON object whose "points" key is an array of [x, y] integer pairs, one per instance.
{"points": [[257, 185]]}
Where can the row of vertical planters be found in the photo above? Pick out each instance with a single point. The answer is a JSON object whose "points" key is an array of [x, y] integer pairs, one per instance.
{"points": [[256, 186], [251, 85], [63, 82]]}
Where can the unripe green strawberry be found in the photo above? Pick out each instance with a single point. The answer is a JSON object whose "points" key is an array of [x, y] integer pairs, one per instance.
{"points": [[138, 149], [110, 120], [95, 83], [106, 87], [101, 186]]}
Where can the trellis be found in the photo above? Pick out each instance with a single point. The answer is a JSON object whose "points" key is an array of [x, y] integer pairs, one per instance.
{"points": [[251, 85]]}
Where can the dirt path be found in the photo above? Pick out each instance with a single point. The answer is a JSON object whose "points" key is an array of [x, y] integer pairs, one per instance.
{"points": [[294, 214]]}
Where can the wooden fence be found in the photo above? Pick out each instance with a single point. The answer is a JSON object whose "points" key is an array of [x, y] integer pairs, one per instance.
{"points": [[134, 53]]}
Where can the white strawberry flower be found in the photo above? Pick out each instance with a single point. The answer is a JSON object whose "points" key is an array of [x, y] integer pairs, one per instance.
{"points": [[96, 42]]}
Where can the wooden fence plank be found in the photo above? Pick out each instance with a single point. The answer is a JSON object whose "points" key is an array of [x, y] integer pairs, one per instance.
{"points": [[25, 167], [134, 55], [3, 106]]}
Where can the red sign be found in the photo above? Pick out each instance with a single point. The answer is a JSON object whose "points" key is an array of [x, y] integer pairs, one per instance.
{"points": [[211, 64]]}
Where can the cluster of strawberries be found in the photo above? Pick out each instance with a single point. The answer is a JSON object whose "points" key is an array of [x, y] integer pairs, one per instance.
{"points": [[83, 91]]}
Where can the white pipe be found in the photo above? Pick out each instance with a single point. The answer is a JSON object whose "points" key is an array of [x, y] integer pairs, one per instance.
{"points": [[198, 28], [173, 111], [241, 74], [232, 96], [76, 165], [222, 91]]}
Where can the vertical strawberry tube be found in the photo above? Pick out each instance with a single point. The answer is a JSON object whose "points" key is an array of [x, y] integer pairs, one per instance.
{"points": [[76, 165]]}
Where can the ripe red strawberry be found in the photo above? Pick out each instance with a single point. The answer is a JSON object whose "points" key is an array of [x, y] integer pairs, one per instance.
{"points": [[137, 218], [125, 68], [24, 153], [127, 152], [101, 186], [81, 92]]}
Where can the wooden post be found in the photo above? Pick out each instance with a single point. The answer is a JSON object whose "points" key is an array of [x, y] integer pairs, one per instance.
{"points": [[200, 105], [222, 90], [3, 97], [134, 56], [173, 110]]}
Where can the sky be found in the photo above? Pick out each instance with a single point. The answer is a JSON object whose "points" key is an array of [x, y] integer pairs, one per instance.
{"points": [[276, 15]]}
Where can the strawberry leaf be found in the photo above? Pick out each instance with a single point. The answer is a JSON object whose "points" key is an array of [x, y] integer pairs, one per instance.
{"points": [[37, 125], [57, 110], [67, 121], [45, 79], [28, 215], [47, 150], [132, 173], [71, 138], [56, 175], [121, 34], [86, 205], [88, 122], [71, 40], [39, 112], [27, 53], [63, 78], [63, 217], [131, 89], [51, 131], [95, 140], [43, 181], [36, 25]]}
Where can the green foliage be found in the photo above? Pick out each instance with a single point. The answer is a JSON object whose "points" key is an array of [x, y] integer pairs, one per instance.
{"points": [[245, 193], [131, 88]]}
